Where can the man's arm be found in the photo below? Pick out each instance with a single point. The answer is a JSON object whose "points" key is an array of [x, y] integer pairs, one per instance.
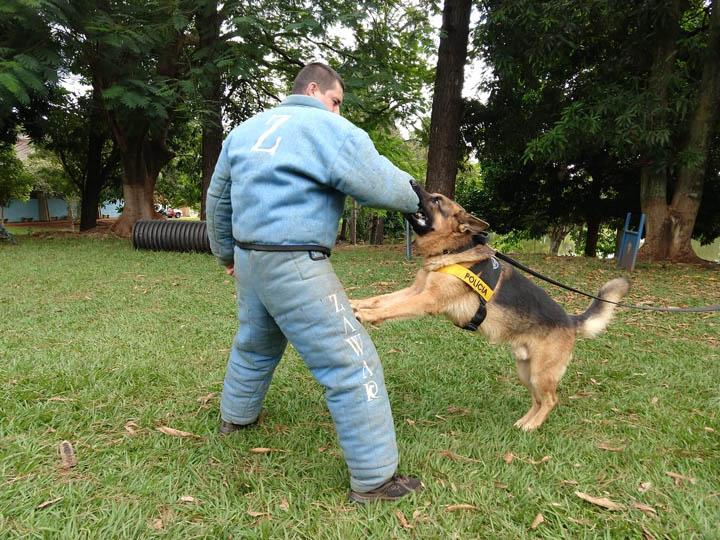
{"points": [[219, 210], [361, 172]]}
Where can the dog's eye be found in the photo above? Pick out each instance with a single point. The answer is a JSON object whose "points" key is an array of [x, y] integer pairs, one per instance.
{"points": [[435, 200]]}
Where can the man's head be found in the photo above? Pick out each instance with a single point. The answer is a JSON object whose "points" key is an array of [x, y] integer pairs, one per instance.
{"points": [[321, 82]]}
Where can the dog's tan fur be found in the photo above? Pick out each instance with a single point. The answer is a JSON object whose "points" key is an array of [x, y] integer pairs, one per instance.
{"points": [[542, 347]]}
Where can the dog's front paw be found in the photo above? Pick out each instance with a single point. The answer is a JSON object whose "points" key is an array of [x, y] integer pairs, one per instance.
{"points": [[366, 316]]}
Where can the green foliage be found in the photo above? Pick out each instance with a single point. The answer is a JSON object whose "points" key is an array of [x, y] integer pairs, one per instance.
{"points": [[387, 72], [49, 176], [573, 113], [180, 184], [407, 155], [15, 180], [469, 186], [28, 60]]}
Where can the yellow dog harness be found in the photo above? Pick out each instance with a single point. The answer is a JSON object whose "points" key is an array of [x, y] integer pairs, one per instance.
{"points": [[490, 270]]}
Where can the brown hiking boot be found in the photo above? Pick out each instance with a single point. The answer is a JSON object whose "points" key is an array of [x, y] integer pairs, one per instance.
{"points": [[228, 427], [392, 490]]}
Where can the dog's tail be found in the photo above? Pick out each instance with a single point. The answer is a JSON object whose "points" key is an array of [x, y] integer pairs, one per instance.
{"points": [[599, 314]]}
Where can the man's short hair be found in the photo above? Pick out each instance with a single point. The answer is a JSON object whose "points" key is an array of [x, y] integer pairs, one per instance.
{"points": [[319, 73]]}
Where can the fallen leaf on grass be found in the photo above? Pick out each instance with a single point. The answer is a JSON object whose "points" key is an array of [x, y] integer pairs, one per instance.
{"points": [[458, 410], [403, 520], [176, 432], [606, 446], [410, 422], [499, 485], [67, 455], [644, 486], [188, 499], [709, 429], [265, 450], [537, 521], [456, 457], [48, 503], [156, 524], [654, 400], [459, 507], [60, 398], [267, 515], [204, 400], [132, 428], [284, 505], [679, 478], [647, 535], [509, 457], [599, 501], [449, 454], [569, 482], [419, 517], [649, 510]]}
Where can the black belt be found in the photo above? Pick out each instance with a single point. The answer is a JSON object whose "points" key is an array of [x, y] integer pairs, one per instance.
{"points": [[282, 247]]}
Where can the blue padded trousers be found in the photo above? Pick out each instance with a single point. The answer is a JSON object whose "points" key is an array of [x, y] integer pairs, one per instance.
{"points": [[296, 297]]}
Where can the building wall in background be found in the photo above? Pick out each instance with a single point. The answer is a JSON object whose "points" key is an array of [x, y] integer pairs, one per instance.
{"points": [[19, 211]]}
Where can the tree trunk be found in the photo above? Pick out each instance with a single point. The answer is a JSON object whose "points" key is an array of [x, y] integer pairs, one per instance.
{"points": [[353, 223], [208, 24], [93, 181], [343, 230], [43, 210], [691, 175], [654, 178], [379, 236], [142, 163], [377, 230], [591, 237], [443, 152], [557, 234], [142, 148]]}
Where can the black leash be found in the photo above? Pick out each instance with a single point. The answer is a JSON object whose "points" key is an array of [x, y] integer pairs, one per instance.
{"points": [[513, 262]]}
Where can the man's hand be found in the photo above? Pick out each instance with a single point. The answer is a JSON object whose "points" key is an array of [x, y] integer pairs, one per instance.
{"points": [[230, 269]]}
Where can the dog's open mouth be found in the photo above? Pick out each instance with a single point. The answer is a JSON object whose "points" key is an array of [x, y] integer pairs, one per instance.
{"points": [[420, 218], [420, 222]]}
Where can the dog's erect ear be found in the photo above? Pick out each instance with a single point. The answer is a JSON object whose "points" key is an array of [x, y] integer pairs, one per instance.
{"points": [[471, 224]]}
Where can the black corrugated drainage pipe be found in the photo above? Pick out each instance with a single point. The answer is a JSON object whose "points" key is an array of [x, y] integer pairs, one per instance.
{"points": [[170, 235]]}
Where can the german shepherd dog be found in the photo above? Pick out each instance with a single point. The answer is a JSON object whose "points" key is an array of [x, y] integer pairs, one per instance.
{"points": [[540, 333]]}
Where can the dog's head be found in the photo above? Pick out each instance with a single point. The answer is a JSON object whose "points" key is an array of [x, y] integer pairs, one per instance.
{"points": [[442, 224]]}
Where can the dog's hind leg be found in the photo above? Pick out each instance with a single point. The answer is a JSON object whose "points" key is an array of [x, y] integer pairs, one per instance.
{"points": [[547, 366], [523, 370]]}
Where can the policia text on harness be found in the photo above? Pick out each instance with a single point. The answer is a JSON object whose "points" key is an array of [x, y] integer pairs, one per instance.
{"points": [[482, 278]]}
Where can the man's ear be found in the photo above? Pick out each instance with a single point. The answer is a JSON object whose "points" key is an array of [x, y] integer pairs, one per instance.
{"points": [[471, 224], [310, 88]]}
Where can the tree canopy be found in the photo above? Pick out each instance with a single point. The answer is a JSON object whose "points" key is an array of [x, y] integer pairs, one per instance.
{"points": [[598, 108], [593, 109]]}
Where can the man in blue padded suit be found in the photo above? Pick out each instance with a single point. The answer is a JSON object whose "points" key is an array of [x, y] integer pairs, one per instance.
{"points": [[273, 208]]}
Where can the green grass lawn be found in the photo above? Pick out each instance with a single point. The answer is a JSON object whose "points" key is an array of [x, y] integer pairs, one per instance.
{"points": [[101, 345]]}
